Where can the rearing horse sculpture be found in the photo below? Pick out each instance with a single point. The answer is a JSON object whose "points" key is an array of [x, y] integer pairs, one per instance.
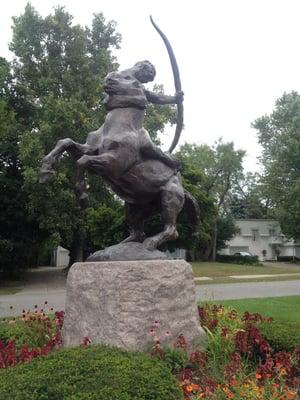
{"points": [[121, 151]]}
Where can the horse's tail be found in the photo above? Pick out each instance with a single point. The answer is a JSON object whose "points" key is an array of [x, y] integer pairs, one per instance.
{"points": [[193, 212]]}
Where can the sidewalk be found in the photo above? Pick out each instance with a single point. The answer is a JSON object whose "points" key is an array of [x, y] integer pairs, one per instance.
{"points": [[229, 291], [208, 278]]}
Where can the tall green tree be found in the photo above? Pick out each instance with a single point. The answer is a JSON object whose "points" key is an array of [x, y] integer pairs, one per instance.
{"points": [[221, 169], [56, 88], [17, 232], [194, 181], [279, 136], [59, 68], [249, 200]]}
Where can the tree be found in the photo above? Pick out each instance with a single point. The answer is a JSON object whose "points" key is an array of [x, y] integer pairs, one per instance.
{"points": [[17, 233], [194, 181], [59, 68], [221, 169], [279, 136], [248, 199], [56, 87]]}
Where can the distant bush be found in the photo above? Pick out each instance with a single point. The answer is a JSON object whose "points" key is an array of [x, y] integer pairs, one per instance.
{"points": [[235, 259], [287, 258], [281, 336], [90, 373]]}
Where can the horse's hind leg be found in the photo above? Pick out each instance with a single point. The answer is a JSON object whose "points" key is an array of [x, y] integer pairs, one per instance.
{"points": [[136, 215], [172, 200]]}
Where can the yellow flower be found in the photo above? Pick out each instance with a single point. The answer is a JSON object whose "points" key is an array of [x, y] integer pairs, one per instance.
{"points": [[282, 372]]}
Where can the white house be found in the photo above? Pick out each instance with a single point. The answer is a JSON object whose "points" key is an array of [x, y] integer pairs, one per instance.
{"points": [[263, 238]]}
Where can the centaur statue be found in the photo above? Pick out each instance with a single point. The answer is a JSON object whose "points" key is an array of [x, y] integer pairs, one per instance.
{"points": [[122, 153]]}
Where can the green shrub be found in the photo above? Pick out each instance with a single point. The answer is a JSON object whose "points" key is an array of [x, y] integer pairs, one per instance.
{"points": [[243, 260], [18, 332], [90, 373], [175, 359], [288, 258], [282, 336]]}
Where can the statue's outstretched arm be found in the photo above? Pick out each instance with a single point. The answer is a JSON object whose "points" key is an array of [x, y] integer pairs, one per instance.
{"points": [[157, 98]]}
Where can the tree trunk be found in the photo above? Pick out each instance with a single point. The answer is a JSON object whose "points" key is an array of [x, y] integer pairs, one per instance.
{"points": [[207, 251], [214, 242]]}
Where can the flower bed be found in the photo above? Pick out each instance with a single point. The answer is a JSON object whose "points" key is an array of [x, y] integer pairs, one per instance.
{"points": [[29, 336], [238, 363]]}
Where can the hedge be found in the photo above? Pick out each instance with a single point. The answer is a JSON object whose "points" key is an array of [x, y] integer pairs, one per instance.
{"points": [[282, 336], [90, 373], [287, 258], [243, 260]]}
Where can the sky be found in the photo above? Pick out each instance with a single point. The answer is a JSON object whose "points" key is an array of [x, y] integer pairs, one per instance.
{"points": [[236, 57]]}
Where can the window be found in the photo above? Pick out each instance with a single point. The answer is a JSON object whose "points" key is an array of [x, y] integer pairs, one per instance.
{"points": [[272, 232], [255, 234]]}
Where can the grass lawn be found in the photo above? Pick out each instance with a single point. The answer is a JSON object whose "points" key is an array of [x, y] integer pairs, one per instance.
{"points": [[220, 272], [9, 290], [217, 269], [282, 309]]}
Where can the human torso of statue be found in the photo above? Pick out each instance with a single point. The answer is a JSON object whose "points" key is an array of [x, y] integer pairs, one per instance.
{"points": [[125, 102]]}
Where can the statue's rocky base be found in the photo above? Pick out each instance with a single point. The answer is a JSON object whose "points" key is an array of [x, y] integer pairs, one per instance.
{"points": [[127, 252], [117, 303]]}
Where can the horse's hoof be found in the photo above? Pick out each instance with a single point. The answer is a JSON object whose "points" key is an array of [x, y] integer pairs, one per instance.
{"points": [[46, 176], [149, 244]]}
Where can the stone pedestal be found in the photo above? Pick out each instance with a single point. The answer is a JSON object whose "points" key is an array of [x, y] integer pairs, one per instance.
{"points": [[117, 303]]}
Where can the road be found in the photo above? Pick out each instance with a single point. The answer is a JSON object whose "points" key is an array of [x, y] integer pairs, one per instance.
{"points": [[247, 290], [28, 298]]}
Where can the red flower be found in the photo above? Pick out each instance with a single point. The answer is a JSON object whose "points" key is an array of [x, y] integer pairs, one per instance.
{"points": [[86, 341], [212, 324], [202, 314], [181, 342], [199, 357]]}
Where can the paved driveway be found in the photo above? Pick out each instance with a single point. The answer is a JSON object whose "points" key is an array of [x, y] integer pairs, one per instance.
{"points": [[40, 285]]}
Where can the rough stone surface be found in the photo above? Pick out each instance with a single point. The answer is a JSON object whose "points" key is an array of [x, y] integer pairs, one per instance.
{"points": [[117, 303], [127, 252]]}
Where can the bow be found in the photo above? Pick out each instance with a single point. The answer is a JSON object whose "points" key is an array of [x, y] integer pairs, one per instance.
{"points": [[177, 83]]}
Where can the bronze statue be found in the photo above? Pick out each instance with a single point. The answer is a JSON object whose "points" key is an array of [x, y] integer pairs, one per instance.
{"points": [[122, 153]]}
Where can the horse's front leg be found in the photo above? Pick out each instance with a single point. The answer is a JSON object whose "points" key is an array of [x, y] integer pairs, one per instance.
{"points": [[76, 150]]}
